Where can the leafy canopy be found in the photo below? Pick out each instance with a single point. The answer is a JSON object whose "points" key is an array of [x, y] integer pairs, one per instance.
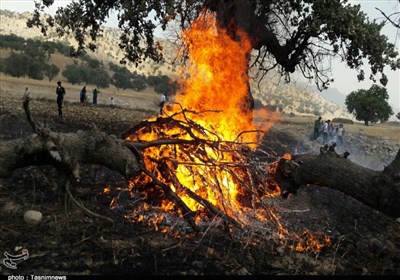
{"points": [[292, 35], [369, 105]]}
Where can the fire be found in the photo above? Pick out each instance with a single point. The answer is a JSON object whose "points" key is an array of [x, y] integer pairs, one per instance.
{"points": [[208, 166], [217, 79]]}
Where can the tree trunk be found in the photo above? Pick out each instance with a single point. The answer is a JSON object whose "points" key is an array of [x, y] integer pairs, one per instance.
{"points": [[377, 189], [66, 151]]}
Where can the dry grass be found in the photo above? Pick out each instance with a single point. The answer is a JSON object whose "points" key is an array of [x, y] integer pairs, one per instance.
{"points": [[148, 100]]}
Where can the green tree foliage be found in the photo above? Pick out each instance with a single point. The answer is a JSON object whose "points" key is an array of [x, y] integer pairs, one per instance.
{"points": [[162, 84], [35, 49], [23, 64], [287, 35], [115, 68], [398, 116], [2, 65], [31, 62], [74, 74], [35, 69], [12, 41], [61, 48], [17, 43], [97, 76], [15, 65], [91, 62], [48, 48], [51, 71], [124, 79], [369, 105], [139, 81], [121, 80]]}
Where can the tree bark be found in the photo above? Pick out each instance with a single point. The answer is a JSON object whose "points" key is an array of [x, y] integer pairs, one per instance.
{"points": [[379, 190], [66, 151]]}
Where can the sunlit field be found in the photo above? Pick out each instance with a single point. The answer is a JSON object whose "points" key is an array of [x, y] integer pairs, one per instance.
{"points": [[148, 100]]}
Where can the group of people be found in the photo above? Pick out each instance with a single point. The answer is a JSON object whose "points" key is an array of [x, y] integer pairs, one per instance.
{"points": [[329, 132], [60, 92], [83, 95]]}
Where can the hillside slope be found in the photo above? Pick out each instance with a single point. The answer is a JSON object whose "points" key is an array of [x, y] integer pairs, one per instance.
{"points": [[291, 98]]}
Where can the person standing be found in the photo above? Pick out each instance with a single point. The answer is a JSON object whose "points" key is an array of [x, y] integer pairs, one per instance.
{"points": [[60, 91], [83, 95], [27, 94], [317, 126], [95, 96], [331, 132], [339, 134], [162, 102], [325, 132]]}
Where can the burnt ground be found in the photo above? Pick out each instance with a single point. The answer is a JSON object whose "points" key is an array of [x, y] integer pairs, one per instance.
{"points": [[69, 242]]}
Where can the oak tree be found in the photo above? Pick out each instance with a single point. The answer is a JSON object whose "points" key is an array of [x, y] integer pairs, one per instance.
{"points": [[293, 35], [369, 105]]}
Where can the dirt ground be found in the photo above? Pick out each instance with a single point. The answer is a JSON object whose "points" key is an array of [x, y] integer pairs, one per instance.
{"points": [[69, 242]]}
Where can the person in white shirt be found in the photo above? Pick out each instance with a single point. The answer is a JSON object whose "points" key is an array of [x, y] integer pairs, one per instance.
{"points": [[162, 102], [27, 94], [325, 132], [340, 134]]}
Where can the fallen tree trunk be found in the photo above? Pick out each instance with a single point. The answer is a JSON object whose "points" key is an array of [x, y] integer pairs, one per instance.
{"points": [[379, 190], [66, 151]]}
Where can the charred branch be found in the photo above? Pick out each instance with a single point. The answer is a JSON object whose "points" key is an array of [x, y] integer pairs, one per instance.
{"points": [[67, 151]]}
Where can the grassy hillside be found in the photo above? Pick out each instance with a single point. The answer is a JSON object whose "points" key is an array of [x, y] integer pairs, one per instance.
{"points": [[290, 97]]}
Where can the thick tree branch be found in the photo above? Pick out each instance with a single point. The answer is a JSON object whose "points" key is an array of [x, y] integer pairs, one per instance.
{"points": [[378, 189]]}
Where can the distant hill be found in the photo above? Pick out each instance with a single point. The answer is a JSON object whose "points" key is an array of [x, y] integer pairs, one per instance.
{"points": [[289, 98], [335, 96]]}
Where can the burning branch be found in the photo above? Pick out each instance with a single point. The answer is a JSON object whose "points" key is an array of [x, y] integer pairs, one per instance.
{"points": [[199, 174], [197, 166]]}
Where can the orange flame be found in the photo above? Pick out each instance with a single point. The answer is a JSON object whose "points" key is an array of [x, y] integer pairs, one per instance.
{"points": [[215, 92], [217, 79]]}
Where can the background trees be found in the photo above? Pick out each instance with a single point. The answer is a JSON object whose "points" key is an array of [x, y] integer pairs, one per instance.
{"points": [[369, 105], [31, 58], [51, 71], [287, 35]]}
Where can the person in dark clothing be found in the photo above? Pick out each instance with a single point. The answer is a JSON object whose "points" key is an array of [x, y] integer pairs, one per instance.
{"points": [[83, 95], [60, 91], [317, 126], [95, 96]]}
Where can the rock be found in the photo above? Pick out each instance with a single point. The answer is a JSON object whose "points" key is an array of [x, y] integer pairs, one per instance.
{"points": [[243, 271], [32, 217], [280, 250]]}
